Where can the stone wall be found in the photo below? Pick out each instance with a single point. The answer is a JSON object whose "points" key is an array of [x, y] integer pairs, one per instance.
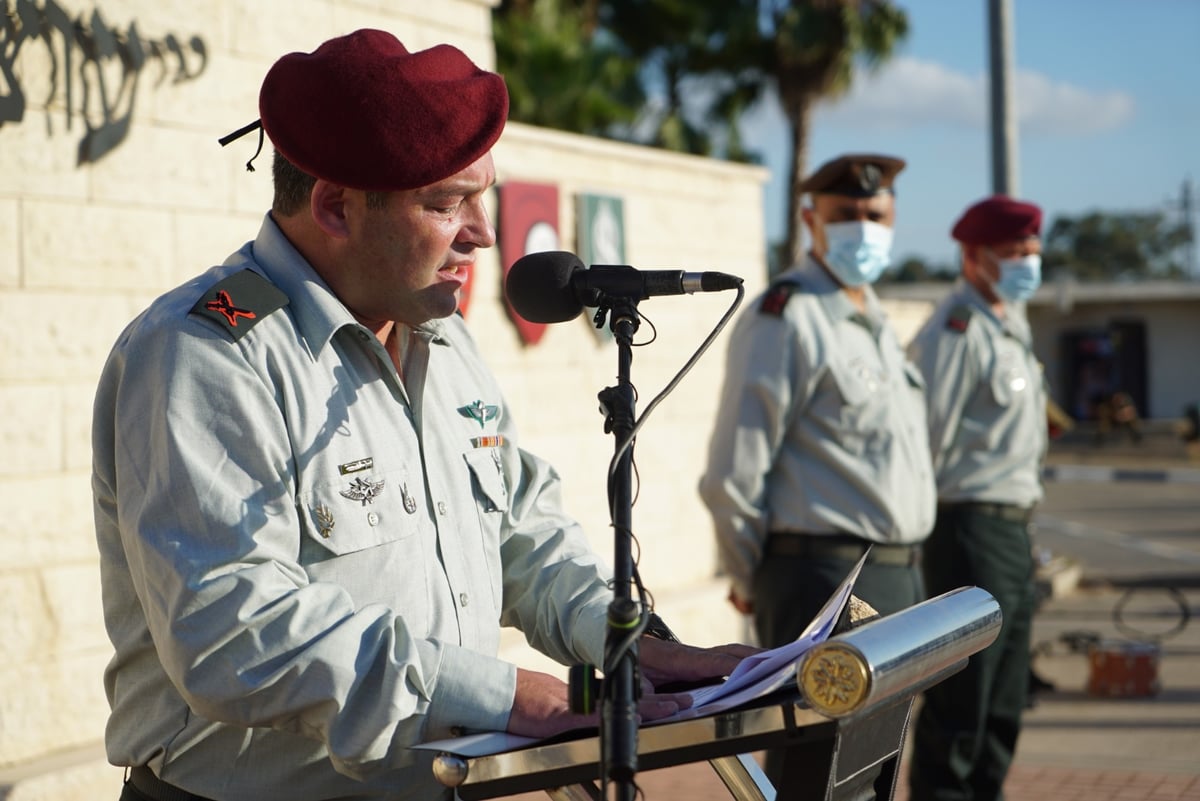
{"points": [[113, 188]]}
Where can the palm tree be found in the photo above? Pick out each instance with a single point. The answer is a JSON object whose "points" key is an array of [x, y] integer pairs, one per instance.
{"points": [[705, 60], [816, 45], [561, 71], [805, 49]]}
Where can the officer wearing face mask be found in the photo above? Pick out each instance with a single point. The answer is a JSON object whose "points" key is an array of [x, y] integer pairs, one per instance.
{"points": [[820, 449], [988, 434]]}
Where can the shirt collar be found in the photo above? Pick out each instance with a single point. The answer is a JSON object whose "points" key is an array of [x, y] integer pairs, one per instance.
{"points": [[318, 312], [1012, 323], [817, 280]]}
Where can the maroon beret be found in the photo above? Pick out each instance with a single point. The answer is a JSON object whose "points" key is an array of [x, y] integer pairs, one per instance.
{"points": [[363, 112], [997, 219]]}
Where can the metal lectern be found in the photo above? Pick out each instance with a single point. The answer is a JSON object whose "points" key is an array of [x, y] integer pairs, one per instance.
{"points": [[843, 723]]}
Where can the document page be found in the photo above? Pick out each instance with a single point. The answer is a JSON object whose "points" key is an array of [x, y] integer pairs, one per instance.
{"points": [[755, 677], [768, 671]]}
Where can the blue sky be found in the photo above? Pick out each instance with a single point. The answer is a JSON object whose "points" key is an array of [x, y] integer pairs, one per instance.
{"points": [[1107, 94]]}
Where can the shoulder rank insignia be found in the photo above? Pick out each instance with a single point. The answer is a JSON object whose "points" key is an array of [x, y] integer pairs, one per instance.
{"points": [[959, 318], [239, 302], [479, 412], [776, 298]]}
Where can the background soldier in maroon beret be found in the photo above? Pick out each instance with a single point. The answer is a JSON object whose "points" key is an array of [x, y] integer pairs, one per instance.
{"points": [[312, 510], [986, 408]]}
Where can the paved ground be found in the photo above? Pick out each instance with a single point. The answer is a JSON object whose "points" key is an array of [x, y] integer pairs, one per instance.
{"points": [[1025, 783], [1075, 745]]}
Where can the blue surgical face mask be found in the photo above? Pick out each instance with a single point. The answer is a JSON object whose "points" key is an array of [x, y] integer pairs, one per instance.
{"points": [[857, 252], [1019, 278]]}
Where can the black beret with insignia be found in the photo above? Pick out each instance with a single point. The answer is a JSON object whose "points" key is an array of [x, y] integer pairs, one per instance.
{"points": [[854, 175]]}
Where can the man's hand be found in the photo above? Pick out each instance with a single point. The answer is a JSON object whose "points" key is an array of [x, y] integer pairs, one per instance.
{"points": [[739, 603], [541, 707], [663, 661]]}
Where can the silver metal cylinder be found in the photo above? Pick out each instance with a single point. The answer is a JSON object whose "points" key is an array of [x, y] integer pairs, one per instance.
{"points": [[865, 666]]}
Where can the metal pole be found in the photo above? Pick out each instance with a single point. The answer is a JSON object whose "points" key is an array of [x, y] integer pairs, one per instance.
{"points": [[1189, 253], [618, 716], [1004, 118]]}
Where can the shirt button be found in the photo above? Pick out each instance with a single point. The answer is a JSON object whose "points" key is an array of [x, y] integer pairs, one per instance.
{"points": [[462, 599], [441, 507], [373, 518]]}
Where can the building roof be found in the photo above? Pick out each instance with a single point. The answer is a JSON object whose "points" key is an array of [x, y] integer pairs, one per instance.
{"points": [[1063, 292]]}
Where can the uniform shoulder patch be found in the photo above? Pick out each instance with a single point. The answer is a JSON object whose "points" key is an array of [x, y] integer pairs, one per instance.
{"points": [[959, 318], [239, 302], [776, 298]]}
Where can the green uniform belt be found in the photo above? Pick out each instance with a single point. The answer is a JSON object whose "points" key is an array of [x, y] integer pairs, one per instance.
{"points": [[840, 546], [1003, 511]]}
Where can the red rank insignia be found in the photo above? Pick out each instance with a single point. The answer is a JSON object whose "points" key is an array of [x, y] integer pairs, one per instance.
{"points": [[224, 305]]}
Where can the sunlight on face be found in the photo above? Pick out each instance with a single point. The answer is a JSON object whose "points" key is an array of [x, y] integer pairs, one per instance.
{"points": [[411, 257]]}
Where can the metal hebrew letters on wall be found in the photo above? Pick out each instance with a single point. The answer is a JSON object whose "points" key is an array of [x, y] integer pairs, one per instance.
{"points": [[95, 68]]}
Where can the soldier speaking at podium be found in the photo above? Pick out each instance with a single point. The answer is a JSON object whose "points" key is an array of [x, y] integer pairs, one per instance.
{"points": [[312, 509]]}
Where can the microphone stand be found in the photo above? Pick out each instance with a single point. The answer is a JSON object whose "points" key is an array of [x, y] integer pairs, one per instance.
{"points": [[622, 677]]}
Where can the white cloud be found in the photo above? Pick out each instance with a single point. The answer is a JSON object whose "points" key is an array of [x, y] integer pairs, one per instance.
{"points": [[909, 92], [1060, 108]]}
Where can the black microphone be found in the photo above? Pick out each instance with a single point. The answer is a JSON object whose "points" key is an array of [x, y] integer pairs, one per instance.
{"points": [[553, 286]]}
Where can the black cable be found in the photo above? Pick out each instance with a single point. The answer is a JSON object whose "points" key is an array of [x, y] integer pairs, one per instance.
{"points": [[627, 642], [674, 382]]}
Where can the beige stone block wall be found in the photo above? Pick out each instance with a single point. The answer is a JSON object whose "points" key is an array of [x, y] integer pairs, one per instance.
{"points": [[907, 316], [83, 248]]}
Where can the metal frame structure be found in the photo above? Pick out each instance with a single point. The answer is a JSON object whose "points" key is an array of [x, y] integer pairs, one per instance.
{"points": [[843, 723]]}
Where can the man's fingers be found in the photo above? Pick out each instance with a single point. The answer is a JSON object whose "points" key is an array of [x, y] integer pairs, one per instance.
{"points": [[654, 707], [739, 603], [680, 700]]}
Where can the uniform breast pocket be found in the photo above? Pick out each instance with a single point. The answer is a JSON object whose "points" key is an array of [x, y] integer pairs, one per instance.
{"points": [[491, 506], [488, 482], [361, 533], [862, 393], [1009, 381], [361, 511]]}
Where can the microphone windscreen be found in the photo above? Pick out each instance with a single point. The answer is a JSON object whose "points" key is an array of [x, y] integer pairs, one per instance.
{"points": [[539, 286], [718, 282]]}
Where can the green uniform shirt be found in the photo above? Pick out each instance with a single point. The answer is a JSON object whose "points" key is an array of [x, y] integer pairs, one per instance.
{"points": [[986, 401], [306, 561], [820, 427]]}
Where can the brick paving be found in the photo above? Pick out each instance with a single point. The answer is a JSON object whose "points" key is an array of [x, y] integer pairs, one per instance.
{"points": [[698, 782], [1074, 747], [1050, 783]]}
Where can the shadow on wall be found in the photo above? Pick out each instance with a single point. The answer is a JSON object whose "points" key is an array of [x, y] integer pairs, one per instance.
{"points": [[101, 64]]}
